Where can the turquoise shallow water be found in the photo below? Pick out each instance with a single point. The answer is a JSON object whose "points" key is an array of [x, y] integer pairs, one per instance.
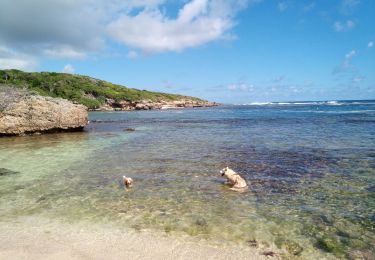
{"points": [[310, 166]]}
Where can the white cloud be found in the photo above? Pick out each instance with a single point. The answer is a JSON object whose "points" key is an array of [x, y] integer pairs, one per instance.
{"points": [[282, 6], [370, 44], [64, 52], [347, 7], [244, 87], [132, 55], [198, 22], [343, 26], [279, 78], [358, 79], [68, 68], [232, 87], [350, 54], [18, 63], [59, 28], [309, 7], [10, 59], [346, 64], [77, 29]]}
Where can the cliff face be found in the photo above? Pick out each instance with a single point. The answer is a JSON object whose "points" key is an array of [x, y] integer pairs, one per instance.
{"points": [[123, 105], [25, 113]]}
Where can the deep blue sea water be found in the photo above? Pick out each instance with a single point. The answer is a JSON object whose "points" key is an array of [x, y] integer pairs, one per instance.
{"points": [[310, 166]]}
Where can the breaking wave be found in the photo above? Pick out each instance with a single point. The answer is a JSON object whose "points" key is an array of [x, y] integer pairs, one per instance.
{"points": [[311, 103]]}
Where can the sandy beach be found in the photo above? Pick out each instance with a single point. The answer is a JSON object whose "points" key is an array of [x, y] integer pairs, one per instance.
{"points": [[35, 238]]}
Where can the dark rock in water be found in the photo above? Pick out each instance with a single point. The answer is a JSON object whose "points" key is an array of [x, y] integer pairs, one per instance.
{"points": [[42, 198], [19, 187], [201, 222], [4, 172], [322, 220], [269, 253], [252, 243], [129, 129], [371, 188]]}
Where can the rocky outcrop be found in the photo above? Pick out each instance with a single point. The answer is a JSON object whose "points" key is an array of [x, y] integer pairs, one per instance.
{"points": [[22, 113], [124, 105]]}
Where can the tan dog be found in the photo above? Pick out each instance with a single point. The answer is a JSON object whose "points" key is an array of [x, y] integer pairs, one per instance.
{"points": [[128, 182], [235, 181]]}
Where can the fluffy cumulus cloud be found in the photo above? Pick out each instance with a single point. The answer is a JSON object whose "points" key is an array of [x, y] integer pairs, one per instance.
{"points": [[68, 68], [56, 29], [10, 59], [343, 26], [198, 22]]}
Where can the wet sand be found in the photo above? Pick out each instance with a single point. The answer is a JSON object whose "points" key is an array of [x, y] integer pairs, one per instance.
{"points": [[38, 238]]}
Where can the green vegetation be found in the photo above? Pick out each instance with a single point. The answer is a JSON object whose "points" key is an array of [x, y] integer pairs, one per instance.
{"points": [[81, 89]]}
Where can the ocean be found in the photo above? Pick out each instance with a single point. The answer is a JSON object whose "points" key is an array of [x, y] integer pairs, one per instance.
{"points": [[310, 167]]}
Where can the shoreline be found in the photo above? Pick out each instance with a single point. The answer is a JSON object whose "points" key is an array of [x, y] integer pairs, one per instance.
{"points": [[40, 238], [150, 105]]}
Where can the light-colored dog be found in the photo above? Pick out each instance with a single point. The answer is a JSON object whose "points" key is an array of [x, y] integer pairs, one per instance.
{"points": [[128, 182], [234, 180]]}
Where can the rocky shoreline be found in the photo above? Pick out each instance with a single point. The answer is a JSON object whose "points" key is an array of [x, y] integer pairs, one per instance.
{"points": [[123, 105], [24, 112]]}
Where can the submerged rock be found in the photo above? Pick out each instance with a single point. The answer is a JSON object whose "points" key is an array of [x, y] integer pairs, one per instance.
{"points": [[201, 222], [269, 253], [4, 172], [293, 248], [331, 245], [26, 113], [252, 243]]}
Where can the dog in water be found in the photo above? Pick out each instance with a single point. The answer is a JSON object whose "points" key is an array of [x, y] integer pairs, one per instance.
{"points": [[128, 182], [234, 180]]}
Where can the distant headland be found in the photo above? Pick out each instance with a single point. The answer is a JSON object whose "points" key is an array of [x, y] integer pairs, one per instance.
{"points": [[47, 101], [96, 94]]}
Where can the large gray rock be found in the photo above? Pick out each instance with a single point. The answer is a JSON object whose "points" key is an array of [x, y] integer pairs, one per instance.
{"points": [[26, 113]]}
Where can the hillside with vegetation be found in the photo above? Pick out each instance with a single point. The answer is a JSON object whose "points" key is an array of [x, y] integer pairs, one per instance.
{"points": [[94, 93]]}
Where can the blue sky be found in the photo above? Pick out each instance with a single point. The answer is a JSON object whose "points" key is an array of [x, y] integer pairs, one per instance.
{"points": [[231, 51]]}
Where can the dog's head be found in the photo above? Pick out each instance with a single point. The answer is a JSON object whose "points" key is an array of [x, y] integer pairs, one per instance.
{"points": [[227, 172], [127, 181], [224, 170]]}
